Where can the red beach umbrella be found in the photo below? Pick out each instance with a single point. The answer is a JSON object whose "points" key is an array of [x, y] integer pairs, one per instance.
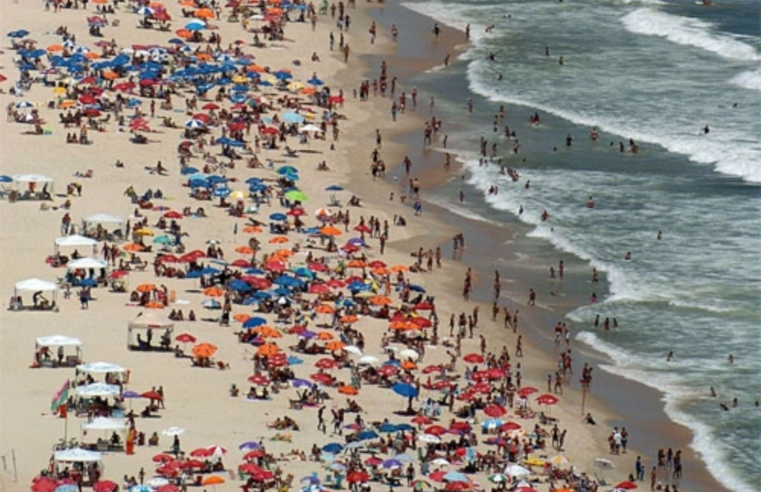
{"points": [[547, 399], [528, 390], [104, 486], [358, 477], [259, 379], [436, 430], [162, 458], [43, 484], [474, 358], [495, 411]]}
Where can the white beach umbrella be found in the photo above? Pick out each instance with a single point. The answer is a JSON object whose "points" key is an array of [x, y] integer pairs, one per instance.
{"points": [[409, 354], [516, 471], [369, 360], [429, 438], [173, 431], [603, 464], [157, 482], [353, 349]]}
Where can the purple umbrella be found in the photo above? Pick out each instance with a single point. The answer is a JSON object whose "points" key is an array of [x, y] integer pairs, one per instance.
{"points": [[307, 334], [356, 240], [301, 383], [250, 445], [130, 394]]}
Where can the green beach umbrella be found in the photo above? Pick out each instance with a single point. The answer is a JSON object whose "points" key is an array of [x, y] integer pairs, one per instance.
{"points": [[296, 196], [499, 478]]}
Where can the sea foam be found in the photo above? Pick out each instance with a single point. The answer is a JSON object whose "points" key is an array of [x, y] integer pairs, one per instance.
{"points": [[689, 32]]}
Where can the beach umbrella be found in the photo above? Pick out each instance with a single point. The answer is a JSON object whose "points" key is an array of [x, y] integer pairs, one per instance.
{"points": [[429, 439], [213, 480], [332, 448], [43, 484], [405, 390], [135, 488], [104, 486], [527, 391], [296, 196], [516, 471], [249, 445], [626, 486]]}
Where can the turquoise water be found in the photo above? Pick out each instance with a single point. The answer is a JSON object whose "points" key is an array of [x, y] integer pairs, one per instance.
{"points": [[656, 72]]}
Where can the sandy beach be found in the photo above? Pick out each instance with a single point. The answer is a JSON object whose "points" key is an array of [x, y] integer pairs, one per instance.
{"points": [[198, 399]]}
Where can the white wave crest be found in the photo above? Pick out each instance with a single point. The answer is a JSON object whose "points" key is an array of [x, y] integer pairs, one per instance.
{"points": [[688, 32], [726, 155], [629, 366], [748, 80]]}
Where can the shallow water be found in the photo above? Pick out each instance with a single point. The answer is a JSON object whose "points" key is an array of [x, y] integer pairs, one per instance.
{"points": [[656, 72]]}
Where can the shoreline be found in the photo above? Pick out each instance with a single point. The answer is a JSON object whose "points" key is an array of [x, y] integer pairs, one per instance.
{"points": [[614, 391]]}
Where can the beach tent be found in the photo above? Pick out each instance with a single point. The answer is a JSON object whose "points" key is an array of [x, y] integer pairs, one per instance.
{"points": [[86, 263], [34, 186], [100, 368], [56, 341], [75, 241], [103, 219], [103, 368], [38, 287], [90, 223], [98, 389], [105, 424], [76, 455], [149, 320]]}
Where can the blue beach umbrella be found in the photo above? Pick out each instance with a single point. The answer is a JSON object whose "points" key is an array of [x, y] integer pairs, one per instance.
{"points": [[278, 217], [405, 390], [387, 428], [454, 476], [333, 188], [250, 445], [333, 448], [254, 322], [283, 170], [315, 81], [367, 434]]}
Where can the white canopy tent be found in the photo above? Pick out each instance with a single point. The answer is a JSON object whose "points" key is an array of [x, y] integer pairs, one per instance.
{"points": [[117, 372], [103, 219], [148, 321], [33, 187], [75, 241], [101, 368], [92, 270], [38, 287], [101, 226], [86, 263], [98, 389], [105, 423], [43, 357]]}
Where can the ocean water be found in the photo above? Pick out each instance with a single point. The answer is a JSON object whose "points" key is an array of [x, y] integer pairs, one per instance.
{"points": [[657, 72]]}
